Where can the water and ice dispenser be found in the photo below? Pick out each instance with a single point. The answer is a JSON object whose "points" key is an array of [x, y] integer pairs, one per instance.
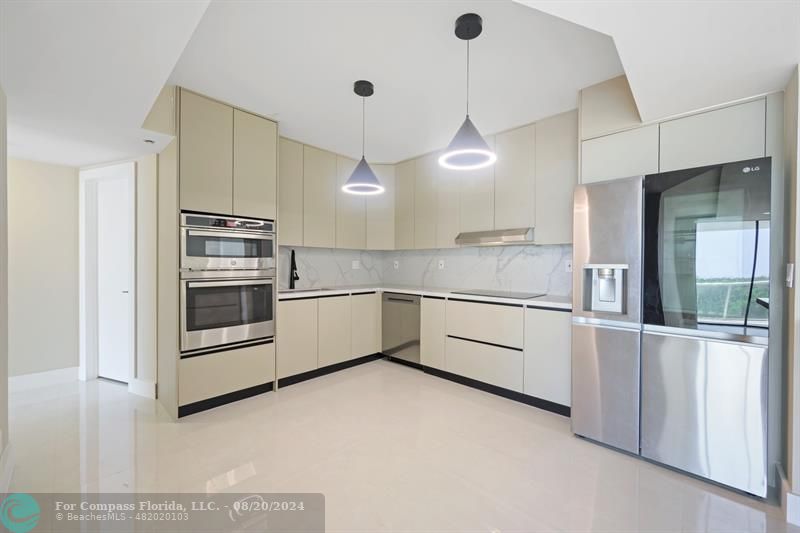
{"points": [[605, 289]]}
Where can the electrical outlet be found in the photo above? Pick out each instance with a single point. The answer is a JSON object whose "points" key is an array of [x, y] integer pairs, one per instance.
{"points": [[397, 265], [356, 264], [441, 264], [568, 266]]}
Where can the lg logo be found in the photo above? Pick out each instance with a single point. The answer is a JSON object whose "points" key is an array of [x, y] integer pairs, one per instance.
{"points": [[750, 169]]}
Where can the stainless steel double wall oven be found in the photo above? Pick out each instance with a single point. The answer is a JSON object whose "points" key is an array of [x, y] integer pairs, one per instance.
{"points": [[227, 271]]}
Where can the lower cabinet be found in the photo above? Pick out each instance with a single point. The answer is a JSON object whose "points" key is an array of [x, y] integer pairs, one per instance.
{"points": [[334, 344], [484, 362], [296, 337], [432, 333], [365, 324], [208, 376], [548, 355]]}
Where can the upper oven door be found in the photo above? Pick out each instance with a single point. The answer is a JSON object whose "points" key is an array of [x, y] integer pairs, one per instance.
{"points": [[208, 249]]}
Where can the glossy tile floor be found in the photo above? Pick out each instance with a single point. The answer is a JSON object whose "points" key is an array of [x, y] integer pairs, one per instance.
{"points": [[391, 448]]}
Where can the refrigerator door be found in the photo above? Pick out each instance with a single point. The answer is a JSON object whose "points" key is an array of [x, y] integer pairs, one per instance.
{"points": [[704, 408], [605, 384]]}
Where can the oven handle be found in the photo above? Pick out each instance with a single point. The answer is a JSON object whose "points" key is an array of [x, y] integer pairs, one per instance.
{"points": [[229, 283], [230, 234]]}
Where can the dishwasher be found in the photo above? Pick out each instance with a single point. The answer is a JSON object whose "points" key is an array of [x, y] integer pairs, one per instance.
{"points": [[400, 326]]}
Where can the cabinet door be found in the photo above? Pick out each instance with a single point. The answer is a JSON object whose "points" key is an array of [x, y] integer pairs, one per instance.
{"points": [[351, 214], [432, 333], [255, 165], [548, 355], [477, 196], [621, 155], [426, 202], [483, 362], [448, 215], [334, 341], [290, 193], [514, 175], [206, 155], [380, 211], [727, 134], [404, 205], [556, 176], [366, 324], [319, 198], [296, 337]]}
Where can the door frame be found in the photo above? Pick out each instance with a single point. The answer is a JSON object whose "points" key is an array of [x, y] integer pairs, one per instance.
{"points": [[88, 287]]}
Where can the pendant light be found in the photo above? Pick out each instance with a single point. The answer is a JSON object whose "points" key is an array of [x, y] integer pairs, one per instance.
{"points": [[468, 150], [363, 180]]}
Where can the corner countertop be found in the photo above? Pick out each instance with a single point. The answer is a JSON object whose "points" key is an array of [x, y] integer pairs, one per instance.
{"points": [[561, 303]]}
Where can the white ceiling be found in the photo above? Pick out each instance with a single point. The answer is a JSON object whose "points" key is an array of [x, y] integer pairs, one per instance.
{"points": [[680, 56], [297, 61], [80, 76]]}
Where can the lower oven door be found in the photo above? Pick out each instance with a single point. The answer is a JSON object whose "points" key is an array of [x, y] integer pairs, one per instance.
{"points": [[217, 312]]}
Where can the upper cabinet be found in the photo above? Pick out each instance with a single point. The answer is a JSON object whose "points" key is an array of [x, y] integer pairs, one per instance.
{"points": [[351, 217], [727, 134], [621, 155], [206, 155], [380, 211], [448, 216], [405, 177], [477, 195], [319, 197], [255, 165], [607, 107], [290, 193], [228, 159], [514, 178], [556, 176], [426, 201]]}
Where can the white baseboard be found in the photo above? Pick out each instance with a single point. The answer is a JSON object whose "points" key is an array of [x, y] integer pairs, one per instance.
{"points": [[42, 379], [6, 469], [142, 388]]}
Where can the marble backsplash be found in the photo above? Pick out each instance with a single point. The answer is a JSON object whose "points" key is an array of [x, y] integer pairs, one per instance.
{"points": [[509, 268]]}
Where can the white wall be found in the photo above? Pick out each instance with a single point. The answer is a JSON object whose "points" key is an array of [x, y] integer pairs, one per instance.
{"points": [[42, 267], [3, 282]]}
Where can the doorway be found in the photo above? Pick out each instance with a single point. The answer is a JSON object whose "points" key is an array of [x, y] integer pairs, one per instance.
{"points": [[108, 306]]}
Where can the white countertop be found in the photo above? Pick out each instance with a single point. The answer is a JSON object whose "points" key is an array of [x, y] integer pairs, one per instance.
{"points": [[546, 301]]}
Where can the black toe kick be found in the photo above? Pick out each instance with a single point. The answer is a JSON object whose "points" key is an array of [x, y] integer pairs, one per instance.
{"points": [[217, 401], [311, 374]]}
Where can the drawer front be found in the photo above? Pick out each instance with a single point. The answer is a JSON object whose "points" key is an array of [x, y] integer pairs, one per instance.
{"points": [[490, 364], [498, 324], [208, 376]]}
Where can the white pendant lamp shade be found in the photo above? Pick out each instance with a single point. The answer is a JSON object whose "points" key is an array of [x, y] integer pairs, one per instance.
{"points": [[363, 180], [468, 150]]}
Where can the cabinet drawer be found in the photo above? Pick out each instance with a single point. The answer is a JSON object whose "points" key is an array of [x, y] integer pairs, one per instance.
{"points": [[490, 364], [498, 324], [208, 376]]}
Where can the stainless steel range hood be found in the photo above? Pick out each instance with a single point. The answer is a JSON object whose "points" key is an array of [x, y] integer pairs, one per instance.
{"points": [[496, 237]]}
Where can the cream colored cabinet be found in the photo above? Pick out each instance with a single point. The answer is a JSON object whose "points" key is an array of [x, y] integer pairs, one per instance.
{"points": [[211, 375], [296, 334], [514, 178], [365, 324], [476, 196], [607, 107], [319, 198], [381, 211], [448, 208], [494, 323], [728, 134], [351, 210], [290, 193], [405, 176], [548, 355], [206, 154], [334, 334], [432, 332], [255, 165], [161, 117], [495, 365], [556, 177], [426, 202], [621, 155]]}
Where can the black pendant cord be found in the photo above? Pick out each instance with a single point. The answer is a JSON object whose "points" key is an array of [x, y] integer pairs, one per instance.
{"points": [[467, 78], [363, 123]]}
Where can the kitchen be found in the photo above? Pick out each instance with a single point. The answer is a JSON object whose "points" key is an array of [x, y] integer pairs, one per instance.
{"points": [[600, 262]]}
